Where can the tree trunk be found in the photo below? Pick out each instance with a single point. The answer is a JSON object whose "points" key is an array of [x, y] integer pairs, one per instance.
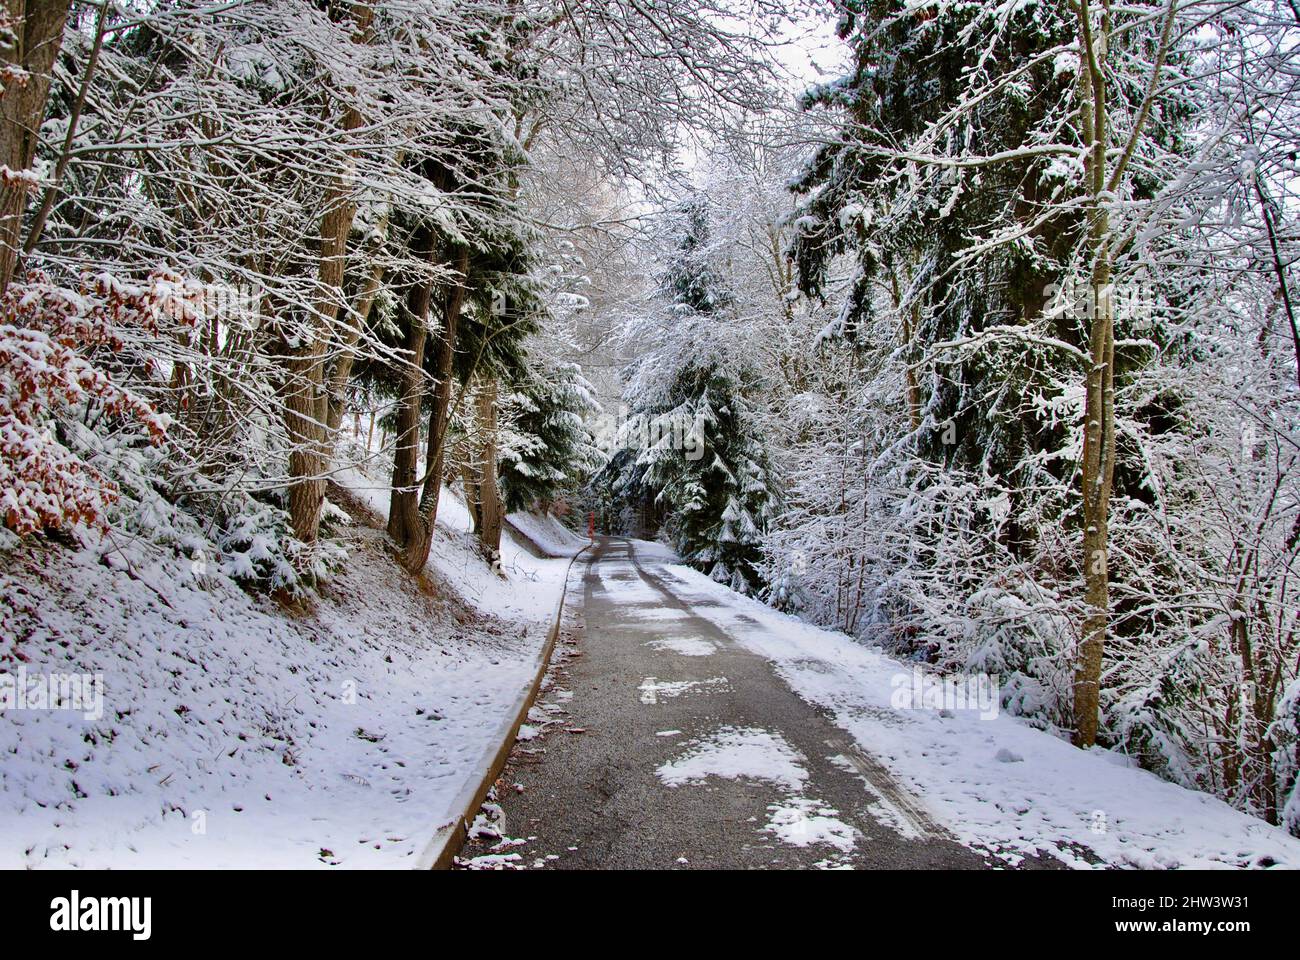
{"points": [[303, 391], [1099, 400], [37, 27], [418, 537], [491, 509], [1098, 471], [306, 401], [911, 320], [339, 375], [404, 503]]}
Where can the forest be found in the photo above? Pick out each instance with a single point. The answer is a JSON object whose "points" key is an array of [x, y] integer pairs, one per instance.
{"points": [[965, 329]]}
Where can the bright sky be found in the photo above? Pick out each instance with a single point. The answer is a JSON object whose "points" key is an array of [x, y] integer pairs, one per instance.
{"points": [[814, 53]]}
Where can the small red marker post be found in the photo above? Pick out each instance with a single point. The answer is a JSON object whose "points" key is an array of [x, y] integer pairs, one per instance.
{"points": [[591, 525]]}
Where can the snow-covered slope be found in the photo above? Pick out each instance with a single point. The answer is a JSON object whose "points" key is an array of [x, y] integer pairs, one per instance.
{"points": [[527, 586], [238, 732], [548, 534], [996, 783]]}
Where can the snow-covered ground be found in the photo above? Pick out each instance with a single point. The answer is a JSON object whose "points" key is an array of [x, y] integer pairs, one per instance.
{"points": [[995, 783], [530, 586], [548, 533], [238, 732]]}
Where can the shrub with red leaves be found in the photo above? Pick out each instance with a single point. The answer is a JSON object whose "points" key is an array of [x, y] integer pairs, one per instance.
{"points": [[50, 338]]}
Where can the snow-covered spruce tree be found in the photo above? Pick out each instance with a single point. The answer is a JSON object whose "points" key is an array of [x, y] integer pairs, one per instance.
{"points": [[968, 554], [953, 188], [692, 441], [964, 424], [548, 450]]}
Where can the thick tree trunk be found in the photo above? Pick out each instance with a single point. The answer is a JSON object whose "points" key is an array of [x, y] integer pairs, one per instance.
{"points": [[418, 538], [304, 395], [305, 398], [404, 523], [341, 372], [37, 27]]}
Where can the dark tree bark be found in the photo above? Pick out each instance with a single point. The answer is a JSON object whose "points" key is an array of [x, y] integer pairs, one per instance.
{"points": [[491, 509], [418, 534], [37, 27], [404, 502]]}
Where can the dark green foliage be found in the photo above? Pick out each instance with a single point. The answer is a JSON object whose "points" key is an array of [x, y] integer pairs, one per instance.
{"points": [[548, 450], [689, 455], [910, 70]]}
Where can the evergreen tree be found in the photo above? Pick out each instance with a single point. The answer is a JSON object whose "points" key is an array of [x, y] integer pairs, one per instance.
{"points": [[696, 457], [910, 233], [957, 190], [547, 449]]}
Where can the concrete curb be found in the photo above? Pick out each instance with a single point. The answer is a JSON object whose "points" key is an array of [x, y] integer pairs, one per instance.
{"points": [[441, 852]]}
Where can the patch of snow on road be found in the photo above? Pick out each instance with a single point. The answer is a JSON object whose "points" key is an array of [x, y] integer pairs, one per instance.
{"points": [[737, 753], [642, 606], [802, 823], [686, 646], [652, 689]]}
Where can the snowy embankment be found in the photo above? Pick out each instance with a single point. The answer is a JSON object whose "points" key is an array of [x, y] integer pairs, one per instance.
{"points": [[547, 534], [238, 732], [997, 784]]}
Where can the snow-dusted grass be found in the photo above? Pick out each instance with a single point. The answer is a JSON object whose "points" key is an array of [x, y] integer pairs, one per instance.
{"points": [[995, 783], [240, 733], [527, 587]]}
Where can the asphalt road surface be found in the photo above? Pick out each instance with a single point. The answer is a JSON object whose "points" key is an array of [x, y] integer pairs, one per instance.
{"points": [[661, 742]]}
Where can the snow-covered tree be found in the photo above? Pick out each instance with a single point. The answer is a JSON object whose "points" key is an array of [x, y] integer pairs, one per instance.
{"points": [[548, 450], [690, 446]]}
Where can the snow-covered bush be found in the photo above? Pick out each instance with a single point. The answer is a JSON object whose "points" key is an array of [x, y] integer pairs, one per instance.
{"points": [[256, 547], [1286, 735], [58, 351]]}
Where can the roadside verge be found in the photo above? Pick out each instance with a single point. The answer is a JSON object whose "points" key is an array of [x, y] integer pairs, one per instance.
{"points": [[441, 852]]}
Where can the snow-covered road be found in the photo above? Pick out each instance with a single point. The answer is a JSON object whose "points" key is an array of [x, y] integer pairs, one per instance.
{"points": [[691, 726], [667, 743]]}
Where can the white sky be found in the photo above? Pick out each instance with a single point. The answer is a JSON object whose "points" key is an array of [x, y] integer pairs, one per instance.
{"points": [[814, 53]]}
